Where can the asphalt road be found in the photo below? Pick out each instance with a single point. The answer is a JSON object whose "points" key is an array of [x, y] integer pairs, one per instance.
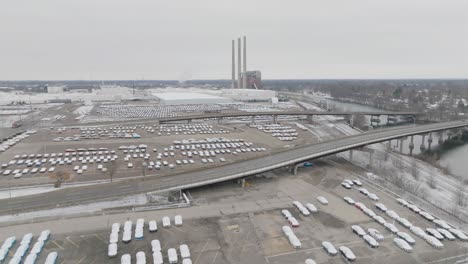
{"points": [[78, 195]]}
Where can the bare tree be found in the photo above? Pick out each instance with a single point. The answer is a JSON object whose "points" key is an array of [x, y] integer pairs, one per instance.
{"points": [[59, 176]]}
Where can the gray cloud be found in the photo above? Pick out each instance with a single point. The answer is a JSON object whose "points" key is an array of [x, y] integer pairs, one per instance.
{"points": [[156, 39]]}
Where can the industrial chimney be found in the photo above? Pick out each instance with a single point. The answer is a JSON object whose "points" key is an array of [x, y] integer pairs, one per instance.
{"points": [[233, 84], [244, 76], [239, 76]]}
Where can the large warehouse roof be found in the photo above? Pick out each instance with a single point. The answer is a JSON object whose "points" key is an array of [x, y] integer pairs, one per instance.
{"points": [[190, 98]]}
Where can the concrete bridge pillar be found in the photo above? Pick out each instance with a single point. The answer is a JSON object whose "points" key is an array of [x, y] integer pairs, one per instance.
{"points": [[441, 138], [429, 141], [252, 119], [351, 121], [350, 155], [220, 120], [411, 146], [423, 146], [275, 119], [401, 145], [310, 119]]}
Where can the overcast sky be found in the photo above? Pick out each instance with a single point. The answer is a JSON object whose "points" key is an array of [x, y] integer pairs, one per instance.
{"points": [[191, 39]]}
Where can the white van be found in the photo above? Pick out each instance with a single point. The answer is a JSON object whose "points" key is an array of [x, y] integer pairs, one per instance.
{"points": [[51, 258], [152, 226], [166, 221], [172, 255], [141, 257], [155, 245], [112, 250], [126, 259], [178, 220], [184, 251], [157, 257]]}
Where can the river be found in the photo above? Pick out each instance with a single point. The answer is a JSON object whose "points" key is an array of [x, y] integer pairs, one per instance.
{"points": [[455, 159]]}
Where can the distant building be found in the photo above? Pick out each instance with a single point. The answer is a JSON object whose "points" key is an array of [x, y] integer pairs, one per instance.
{"points": [[249, 95], [254, 80], [189, 98], [54, 89]]}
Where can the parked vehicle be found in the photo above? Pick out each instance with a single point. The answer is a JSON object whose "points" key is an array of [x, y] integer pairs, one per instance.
{"points": [[406, 237], [322, 200], [403, 244], [375, 234], [152, 226], [347, 253], [172, 255], [371, 241], [358, 230], [112, 250], [329, 248], [349, 200]]}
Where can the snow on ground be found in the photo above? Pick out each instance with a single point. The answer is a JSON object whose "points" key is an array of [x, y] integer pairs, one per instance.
{"points": [[387, 163], [86, 208], [5, 194], [23, 191]]}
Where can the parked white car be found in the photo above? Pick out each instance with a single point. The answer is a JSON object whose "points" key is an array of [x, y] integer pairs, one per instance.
{"points": [[358, 230], [322, 200], [406, 237], [371, 241], [331, 250], [349, 200], [375, 234], [347, 253], [403, 244]]}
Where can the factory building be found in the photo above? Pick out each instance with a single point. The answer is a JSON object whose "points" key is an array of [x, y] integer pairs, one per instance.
{"points": [[253, 80], [190, 98], [249, 95]]}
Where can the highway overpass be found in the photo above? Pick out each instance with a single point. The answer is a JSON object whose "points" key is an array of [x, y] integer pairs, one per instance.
{"points": [[222, 115], [279, 113], [217, 174]]}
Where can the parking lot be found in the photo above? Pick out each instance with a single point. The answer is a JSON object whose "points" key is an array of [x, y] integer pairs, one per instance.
{"points": [[166, 152], [228, 224]]}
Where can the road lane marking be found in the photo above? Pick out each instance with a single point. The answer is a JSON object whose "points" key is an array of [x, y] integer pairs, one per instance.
{"points": [[214, 259], [69, 240], [201, 252], [81, 260], [53, 241], [100, 238]]}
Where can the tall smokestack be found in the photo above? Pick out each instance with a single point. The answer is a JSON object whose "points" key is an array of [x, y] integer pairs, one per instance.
{"points": [[233, 84], [244, 84], [239, 77]]}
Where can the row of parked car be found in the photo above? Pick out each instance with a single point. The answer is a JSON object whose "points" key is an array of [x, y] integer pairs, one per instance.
{"points": [[281, 132], [152, 111], [24, 247], [15, 139]]}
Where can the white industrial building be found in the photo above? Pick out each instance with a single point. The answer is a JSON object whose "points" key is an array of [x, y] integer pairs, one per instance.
{"points": [[189, 98], [55, 89], [249, 94]]}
